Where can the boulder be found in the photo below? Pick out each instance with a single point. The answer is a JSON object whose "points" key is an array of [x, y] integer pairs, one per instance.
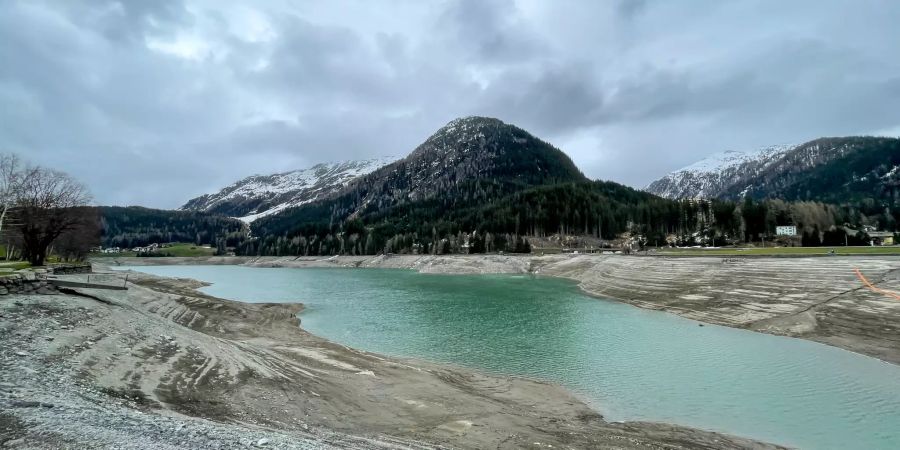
{"points": [[27, 275]]}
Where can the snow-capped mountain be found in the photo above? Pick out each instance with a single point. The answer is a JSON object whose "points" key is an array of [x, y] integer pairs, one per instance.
{"points": [[470, 161], [262, 195], [710, 177], [833, 169]]}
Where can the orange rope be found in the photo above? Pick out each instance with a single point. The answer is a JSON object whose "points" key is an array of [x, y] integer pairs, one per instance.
{"points": [[873, 288]]}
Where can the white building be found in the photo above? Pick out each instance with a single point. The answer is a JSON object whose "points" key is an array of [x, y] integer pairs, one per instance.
{"points": [[786, 230]]}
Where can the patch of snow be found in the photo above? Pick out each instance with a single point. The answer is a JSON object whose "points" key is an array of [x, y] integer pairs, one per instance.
{"points": [[731, 158], [289, 189], [705, 178]]}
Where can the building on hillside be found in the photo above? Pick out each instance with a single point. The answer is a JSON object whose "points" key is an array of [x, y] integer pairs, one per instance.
{"points": [[786, 230]]}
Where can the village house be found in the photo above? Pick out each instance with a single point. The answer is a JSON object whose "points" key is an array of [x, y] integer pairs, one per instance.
{"points": [[786, 230]]}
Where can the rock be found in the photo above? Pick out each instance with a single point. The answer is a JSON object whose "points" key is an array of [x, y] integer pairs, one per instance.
{"points": [[25, 404], [262, 442], [27, 275], [13, 442], [4, 291], [22, 354]]}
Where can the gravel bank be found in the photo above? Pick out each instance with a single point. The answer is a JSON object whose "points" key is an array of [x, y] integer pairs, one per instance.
{"points": [[163, 366]]}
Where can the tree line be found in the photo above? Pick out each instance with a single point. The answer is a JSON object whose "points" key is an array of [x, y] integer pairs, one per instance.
{"points": [[604, 210], [135, 226]]}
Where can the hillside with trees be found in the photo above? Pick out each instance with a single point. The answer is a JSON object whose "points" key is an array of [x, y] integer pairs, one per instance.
{"points": [[832, 170], [468, 163], [479, 185], [860, 173], [135, 226]]}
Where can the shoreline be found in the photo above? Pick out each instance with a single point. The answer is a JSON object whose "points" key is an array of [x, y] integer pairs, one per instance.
{"points": [[164, 356], [817, 299]]}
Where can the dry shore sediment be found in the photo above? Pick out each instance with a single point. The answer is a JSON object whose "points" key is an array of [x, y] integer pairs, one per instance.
{"points": [[164, 366], [815, 298]]}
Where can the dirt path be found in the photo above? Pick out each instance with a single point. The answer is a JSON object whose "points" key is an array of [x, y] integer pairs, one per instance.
{"points": [[163, 366]]}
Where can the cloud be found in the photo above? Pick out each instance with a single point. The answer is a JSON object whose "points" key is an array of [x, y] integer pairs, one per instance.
{"points": [[155, 102]]}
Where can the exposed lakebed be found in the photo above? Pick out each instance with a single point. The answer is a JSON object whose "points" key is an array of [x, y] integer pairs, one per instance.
{"points": [[629, 363]]}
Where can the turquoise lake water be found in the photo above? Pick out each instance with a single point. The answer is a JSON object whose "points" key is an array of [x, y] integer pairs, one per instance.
{"points": [[628, 363]]}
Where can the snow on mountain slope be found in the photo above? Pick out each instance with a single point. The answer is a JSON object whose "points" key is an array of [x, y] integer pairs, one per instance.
{"points": [[261, 195], [709, 177]]}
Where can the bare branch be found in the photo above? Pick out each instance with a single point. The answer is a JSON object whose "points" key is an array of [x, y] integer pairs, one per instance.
{"points": [[45, 205]]}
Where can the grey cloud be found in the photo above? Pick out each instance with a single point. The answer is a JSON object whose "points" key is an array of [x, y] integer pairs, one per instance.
{"points": [[491, 32], [631, 8], [186, 96]]}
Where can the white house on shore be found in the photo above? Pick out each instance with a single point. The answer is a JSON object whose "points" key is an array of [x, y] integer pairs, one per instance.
{"points": [[786, 230]]}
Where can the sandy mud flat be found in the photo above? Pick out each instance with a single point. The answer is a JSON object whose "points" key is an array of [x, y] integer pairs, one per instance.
{"points": [[164, 366]]}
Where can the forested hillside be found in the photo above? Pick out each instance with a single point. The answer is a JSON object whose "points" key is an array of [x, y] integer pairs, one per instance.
{"points": [[433, 226], [479, 185], [862, 171], [134, 226], [834, 170], [469, 163]]}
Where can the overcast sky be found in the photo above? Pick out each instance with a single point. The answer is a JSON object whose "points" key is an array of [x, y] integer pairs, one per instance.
{"points": [[155, 102]]}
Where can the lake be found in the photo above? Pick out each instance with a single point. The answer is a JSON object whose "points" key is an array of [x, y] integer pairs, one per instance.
{"points": [[626, 362]]}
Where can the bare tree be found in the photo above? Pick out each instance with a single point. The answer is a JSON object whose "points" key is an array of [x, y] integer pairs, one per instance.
{"points": [[47, 205], [75, 243], [10, 182]]}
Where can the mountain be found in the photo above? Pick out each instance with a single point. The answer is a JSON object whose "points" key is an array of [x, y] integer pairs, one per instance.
{"points": [[835, 170], [709, 177], [469, 160], [469, 157], [445, 187], [262, 195]]}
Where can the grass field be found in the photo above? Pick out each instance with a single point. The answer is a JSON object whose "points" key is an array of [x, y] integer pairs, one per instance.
{"points": [[188, 250], [112, 255], [14, 265], [179, 249], [781, 251]]}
